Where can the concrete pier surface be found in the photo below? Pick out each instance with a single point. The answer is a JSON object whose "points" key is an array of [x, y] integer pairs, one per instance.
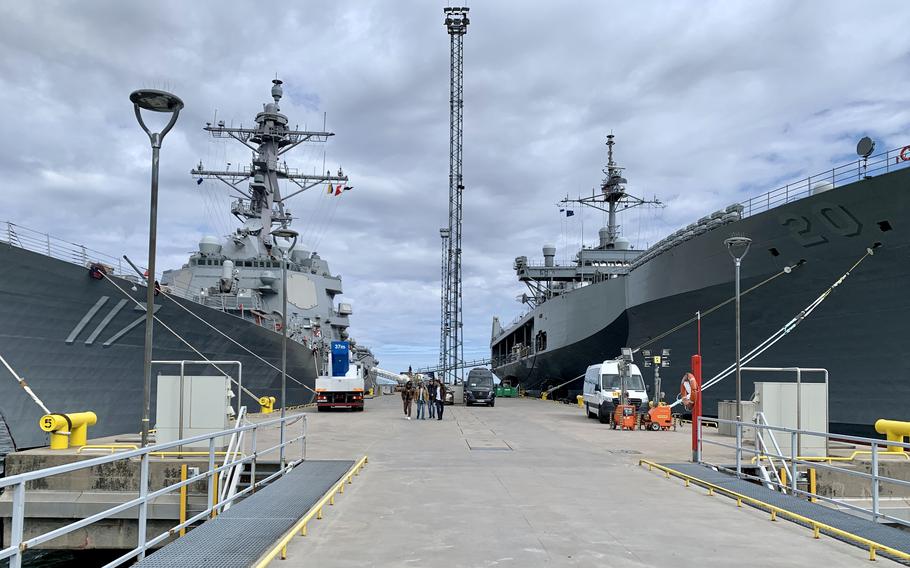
{"points": [[531, 483]]}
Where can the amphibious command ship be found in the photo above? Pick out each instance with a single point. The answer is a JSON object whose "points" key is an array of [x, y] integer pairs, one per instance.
{"points": [[806, 236], [72, 318]]}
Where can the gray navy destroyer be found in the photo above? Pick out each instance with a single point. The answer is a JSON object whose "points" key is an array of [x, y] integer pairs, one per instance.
{"points": [[806, 236], [71, 318]]}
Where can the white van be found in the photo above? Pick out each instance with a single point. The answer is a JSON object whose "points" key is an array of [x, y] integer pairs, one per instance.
{"points": [[601, 390]]}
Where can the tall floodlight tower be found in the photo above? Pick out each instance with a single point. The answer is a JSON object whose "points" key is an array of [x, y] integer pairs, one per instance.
{"points": [[456, 22], [444, 300]]}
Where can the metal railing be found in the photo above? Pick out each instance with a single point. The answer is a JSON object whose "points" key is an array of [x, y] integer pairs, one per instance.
{"points": [[17, 485], [885, 162], [796, 467], [44, 243]]}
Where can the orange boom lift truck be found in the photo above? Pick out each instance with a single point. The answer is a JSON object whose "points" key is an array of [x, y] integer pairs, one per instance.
{"points": [[624, 415]]}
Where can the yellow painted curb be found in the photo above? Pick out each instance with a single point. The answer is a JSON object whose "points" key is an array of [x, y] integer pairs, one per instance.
{"points": [[280, 547], [774, 510]]}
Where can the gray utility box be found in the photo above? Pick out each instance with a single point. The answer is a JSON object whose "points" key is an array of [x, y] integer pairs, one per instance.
{"points": [[457, 393], [206, 400], [726, 410], [778, 403]]}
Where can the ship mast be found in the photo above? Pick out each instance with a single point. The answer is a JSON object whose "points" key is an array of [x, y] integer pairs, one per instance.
{"points": [[261, 206], [613, 197]]}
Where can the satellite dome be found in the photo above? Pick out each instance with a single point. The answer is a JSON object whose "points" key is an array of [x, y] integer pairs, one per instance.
{"points": [[209, 245], [821, 187], [299, 254], [621, 243]]}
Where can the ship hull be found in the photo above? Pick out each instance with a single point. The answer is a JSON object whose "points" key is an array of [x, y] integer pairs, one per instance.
{"points": [[858, 333], [64, 334]]}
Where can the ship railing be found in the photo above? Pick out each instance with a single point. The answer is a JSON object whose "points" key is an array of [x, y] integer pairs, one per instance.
{"points": [[46, 244], [838, 176], [147, 495], [802, 455]]}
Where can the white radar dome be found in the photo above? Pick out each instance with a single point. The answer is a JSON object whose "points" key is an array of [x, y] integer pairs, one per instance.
{"points": [[822, 187], [299, 254], [209, 245]]}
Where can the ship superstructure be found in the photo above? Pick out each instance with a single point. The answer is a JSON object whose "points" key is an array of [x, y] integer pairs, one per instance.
{"points": [[72, 316], [805, 236], [242, 273]]}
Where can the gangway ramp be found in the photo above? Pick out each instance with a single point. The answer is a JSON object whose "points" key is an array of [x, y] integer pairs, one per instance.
{"points": [[877, 538], [257, 528]]}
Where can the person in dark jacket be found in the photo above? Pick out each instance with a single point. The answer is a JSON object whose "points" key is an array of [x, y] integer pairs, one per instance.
{"points": [[407, 397], [438, 394]]}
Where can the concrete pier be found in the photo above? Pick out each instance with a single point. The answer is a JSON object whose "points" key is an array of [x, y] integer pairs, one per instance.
{"points": [[532, 483]]}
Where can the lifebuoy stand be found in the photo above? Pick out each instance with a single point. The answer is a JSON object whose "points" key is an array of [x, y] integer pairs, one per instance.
{"points": [[696, 409]]}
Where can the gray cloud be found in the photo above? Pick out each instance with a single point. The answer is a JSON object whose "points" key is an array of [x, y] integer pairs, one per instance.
{"points": [[710, 102]]}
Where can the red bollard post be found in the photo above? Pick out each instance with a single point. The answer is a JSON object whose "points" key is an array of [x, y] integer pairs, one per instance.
{"points": [[696, 408]]}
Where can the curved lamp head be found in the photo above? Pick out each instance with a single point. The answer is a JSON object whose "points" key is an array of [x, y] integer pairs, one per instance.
{"points": [[156, 101], [284, 233], [738, 247]]}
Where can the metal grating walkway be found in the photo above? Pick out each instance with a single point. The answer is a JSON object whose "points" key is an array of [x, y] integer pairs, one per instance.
{"points": [[243, 534], [864, 528]]}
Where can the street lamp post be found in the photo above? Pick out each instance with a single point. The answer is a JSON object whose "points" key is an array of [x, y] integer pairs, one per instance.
{"points": [[287, 234], [738, 247], [155, 101]]}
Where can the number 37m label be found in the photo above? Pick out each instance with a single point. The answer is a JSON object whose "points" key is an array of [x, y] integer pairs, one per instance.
{"points": [[826, 219]]}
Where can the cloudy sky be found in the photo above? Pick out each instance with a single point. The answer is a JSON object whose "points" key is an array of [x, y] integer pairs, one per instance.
{"points": [[711, 102]]}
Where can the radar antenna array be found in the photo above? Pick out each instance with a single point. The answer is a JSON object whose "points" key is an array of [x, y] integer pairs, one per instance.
{"points": [[613, 197]]}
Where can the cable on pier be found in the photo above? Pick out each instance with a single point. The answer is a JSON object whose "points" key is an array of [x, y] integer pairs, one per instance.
{"points": [[28, 390]]}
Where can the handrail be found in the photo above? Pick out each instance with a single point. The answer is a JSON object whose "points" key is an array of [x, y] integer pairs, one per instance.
{"points": [[794, 461], [18, 545], [850, 172], [55, 247]]}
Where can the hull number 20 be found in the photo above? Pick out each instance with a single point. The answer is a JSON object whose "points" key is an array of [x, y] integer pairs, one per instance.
{"points": [[824, 220]]}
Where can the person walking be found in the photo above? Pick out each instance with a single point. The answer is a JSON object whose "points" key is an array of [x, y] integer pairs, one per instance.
{"points": [[439, 399], [423, 398], [407, 396], [431, 403]]}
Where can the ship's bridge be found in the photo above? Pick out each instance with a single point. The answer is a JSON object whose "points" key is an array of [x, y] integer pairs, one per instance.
{"points": [[589, 265]]}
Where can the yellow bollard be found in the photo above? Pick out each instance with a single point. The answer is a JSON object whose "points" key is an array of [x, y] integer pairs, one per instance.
{"points": [[267, 404], [543, 396], [319, 513], [284, 552], [894, 431], [332, 500], [303, 530], [815, 531], [773, 515], [69, 429], [581, 401]]}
